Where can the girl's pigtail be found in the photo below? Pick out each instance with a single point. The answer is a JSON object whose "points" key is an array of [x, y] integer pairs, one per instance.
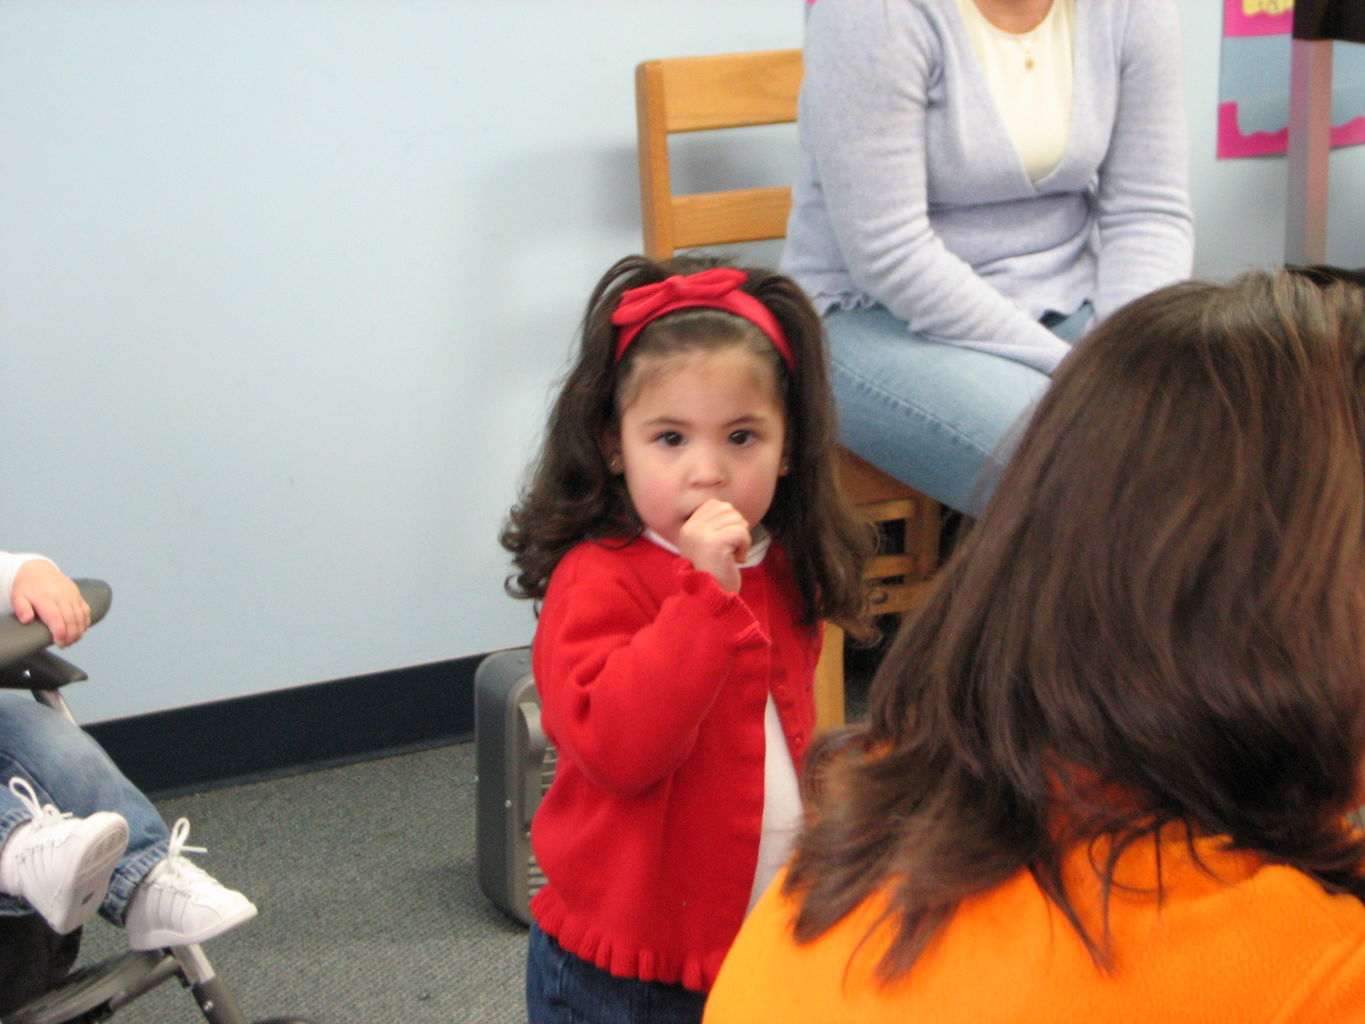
{"points": [[828, 543], [571, 495]]}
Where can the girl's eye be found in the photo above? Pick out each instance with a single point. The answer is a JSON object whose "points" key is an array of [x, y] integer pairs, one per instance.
{"points": [[669, 438], [742, 437]]}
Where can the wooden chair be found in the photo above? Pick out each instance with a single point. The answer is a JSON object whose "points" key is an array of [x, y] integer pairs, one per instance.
{"points": [[692, 94]]}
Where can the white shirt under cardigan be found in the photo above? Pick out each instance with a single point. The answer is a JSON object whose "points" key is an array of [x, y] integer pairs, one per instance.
{"points": [[781, 789], [1029, 75], [910, 193]]}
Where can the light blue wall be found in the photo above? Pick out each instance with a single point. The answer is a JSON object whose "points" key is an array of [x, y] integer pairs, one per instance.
{"points": [[284, 284], [1239, 204]]}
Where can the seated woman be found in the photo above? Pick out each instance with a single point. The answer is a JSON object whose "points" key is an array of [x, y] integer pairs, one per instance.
{"points": [[1108, 765], [977, 178], [76, 836]]}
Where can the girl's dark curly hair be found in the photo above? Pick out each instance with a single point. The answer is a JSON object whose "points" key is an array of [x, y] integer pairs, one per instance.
{"points": [[572, 496]]}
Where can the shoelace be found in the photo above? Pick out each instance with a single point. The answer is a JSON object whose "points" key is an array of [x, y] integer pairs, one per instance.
{"points": [[42, 814], [180, 832]]}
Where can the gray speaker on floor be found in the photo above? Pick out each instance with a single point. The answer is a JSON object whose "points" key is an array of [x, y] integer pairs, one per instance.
{"points": [[515, 764]]}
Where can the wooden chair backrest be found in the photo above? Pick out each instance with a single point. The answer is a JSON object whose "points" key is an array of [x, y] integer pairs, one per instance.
{"points": [[693, 94]]}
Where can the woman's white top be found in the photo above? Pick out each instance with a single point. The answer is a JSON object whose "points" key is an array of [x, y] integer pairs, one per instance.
{"points": [[1030, 77]]}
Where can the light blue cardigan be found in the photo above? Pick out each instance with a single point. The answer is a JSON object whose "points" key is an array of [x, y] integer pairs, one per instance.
{"points": [[911, 194]]}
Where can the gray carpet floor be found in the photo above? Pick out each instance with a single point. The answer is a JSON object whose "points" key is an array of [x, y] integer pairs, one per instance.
{"points": [[370, 910]]}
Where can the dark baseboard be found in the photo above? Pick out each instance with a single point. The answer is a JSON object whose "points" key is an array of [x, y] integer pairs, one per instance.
{"points": [[301, 728]]}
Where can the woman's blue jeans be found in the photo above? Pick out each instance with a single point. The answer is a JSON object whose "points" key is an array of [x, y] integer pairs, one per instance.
{"points": [[71, 771], [937, 416], [564, 989]]}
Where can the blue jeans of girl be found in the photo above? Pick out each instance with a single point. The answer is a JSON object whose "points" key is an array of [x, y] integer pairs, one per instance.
{"points": [[70, 770], [939, 417], [564, 989]]}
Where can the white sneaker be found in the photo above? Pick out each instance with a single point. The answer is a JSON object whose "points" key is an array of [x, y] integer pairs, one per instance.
{"points": [[59, 864], [178, 904]]}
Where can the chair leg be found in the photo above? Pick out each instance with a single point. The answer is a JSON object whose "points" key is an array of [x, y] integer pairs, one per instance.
{"points": [[829, 680]]}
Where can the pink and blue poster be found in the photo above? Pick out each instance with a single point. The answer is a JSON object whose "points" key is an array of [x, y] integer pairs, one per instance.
{"points": [[1253, 82]]}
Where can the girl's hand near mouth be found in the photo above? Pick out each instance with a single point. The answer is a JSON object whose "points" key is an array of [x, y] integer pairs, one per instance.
{"points": [[716, 539]]}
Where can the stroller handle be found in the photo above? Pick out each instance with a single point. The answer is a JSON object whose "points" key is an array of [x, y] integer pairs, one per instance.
{"points": [[19, 640]]}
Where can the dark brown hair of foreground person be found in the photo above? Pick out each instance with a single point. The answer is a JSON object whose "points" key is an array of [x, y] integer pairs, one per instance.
{"points": [[1157, 622], [572, 496]]}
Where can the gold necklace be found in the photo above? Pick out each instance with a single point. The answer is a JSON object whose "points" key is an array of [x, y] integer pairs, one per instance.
{"points": [[1025, 42]]}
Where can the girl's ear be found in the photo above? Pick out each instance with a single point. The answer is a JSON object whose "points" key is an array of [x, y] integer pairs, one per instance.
{"points": [[611, 451]]}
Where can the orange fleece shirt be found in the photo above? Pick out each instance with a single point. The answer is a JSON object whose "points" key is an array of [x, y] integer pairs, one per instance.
{"points": [[1254, 942]]}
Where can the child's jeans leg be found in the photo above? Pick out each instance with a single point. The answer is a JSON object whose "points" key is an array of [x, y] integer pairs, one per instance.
{"points": [[564, 989], [71, 771]]}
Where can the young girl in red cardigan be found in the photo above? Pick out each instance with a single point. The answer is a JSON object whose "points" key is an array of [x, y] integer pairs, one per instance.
{"points": [[684, 535]]}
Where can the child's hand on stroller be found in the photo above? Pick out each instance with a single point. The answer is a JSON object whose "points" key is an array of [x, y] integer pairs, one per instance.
{"points": [[40, 589]]}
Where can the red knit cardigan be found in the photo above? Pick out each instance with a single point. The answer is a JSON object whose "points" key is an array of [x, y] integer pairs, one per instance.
{"points": [[653, 682]]}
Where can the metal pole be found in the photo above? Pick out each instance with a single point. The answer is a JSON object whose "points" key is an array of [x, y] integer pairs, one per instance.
{"points": [[1310, 146]]}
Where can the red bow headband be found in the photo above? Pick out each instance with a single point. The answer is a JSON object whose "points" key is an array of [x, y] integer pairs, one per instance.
{"points": [[717, 288]]}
